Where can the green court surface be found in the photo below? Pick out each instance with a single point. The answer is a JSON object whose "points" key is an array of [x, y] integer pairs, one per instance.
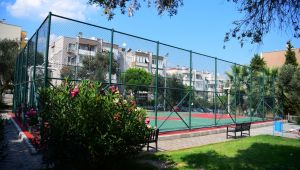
{"points": [[167, 121]]}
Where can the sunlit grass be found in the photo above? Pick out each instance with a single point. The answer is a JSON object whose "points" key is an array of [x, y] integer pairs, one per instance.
{"points": [[259, 152]]}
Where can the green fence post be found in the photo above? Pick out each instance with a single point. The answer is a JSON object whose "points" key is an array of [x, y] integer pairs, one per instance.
{"points": [[251, 94], [273, 96], [263, 95], [18, 81], [15, 84], [156, 81], [22, 87], [282, 101], [111, 54], [34, 70], [190, 90], [235, 86], [215, 93], [25, 83], [26, 74], [47, 50], [46, 70]]}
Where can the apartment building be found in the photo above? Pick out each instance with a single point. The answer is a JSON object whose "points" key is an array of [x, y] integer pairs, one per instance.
{"points": [[142, 59], [13, 32], [276, 59], [202, 81], [72, 50]]}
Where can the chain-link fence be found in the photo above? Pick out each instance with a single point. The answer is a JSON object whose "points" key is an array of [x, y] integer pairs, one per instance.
{"points": [[179, 88]]}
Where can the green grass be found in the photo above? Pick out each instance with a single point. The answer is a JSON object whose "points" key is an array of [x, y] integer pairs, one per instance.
{"points": [[257, 153]]}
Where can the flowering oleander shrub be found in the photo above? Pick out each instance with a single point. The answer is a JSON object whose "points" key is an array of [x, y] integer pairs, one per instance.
{"points": [[85, 123], [31, 116]]}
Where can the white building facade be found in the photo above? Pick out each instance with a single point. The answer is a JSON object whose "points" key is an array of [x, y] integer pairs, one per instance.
{"points": [[71, 51], [202, 81]]}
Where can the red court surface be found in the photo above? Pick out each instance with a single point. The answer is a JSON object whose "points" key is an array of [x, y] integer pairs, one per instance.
{"points": [[164, 118], [212, 116]]}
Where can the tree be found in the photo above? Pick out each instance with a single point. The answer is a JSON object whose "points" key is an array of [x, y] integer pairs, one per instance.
{"points": [[130, 6], [8, 52], [97, 67], [67, 72], [285, 78], [137, 79], [260, 16], [295, 92], [176, 90], [239, 78], [257, 63], [290, 56]]}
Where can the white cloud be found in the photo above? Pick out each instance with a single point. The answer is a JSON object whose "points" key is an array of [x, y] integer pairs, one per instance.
{"points": [[76, 9]]}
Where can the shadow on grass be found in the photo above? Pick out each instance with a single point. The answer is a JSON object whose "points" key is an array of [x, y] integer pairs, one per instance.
{"points": [[257, 156]]}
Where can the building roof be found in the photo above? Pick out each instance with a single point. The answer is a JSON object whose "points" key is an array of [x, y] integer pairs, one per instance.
{"points": [[88, 41], [276, 59]]}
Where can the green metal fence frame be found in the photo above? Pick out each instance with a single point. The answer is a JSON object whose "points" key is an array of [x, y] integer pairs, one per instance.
{"points": [[21, 83]]}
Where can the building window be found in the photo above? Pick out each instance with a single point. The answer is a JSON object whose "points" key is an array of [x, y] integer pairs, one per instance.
{"points": [[92, 48], [71, 47]]}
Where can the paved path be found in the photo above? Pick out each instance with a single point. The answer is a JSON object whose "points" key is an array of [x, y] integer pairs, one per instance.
{"points": [[18, 155], [175, 144]]}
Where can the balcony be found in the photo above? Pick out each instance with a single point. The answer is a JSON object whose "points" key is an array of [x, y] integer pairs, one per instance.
{"points": [[86, 52]]}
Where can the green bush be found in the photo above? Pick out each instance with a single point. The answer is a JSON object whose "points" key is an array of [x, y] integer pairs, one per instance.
{"points": [[88, 125], [298, 120], [2, 105], [1, 128], [2, 143]]}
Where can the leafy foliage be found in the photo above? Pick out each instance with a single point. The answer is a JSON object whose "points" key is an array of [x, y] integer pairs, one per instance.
{"points": [[2, 143], [285, 79], [96, 67], [130, 6], [295, 93], [137, 79], [239, 77], [8, 52], [257, 63], [176, 91], [288, 82], [67, 72], [290, 56], [260, 16], [87, 125]]}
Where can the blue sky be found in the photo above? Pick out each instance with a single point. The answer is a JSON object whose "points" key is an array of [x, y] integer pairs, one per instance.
{"points": [[199, 25]]}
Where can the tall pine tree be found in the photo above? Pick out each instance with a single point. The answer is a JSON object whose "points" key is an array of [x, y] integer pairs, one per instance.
{"points": [[290, 56], [257, 63]]}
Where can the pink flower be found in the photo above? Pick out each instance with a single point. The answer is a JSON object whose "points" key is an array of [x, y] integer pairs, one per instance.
{"points": [[75, 91], [147, 121], [114, 89], [133, 103], [117, 116], [31, 113]]}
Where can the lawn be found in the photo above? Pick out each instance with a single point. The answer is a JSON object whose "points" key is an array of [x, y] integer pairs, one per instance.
{"points": [[258, 152]]}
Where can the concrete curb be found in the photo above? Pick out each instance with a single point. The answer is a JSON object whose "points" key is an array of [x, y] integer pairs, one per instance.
{"points": [[22, 136], [209, 132]]}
